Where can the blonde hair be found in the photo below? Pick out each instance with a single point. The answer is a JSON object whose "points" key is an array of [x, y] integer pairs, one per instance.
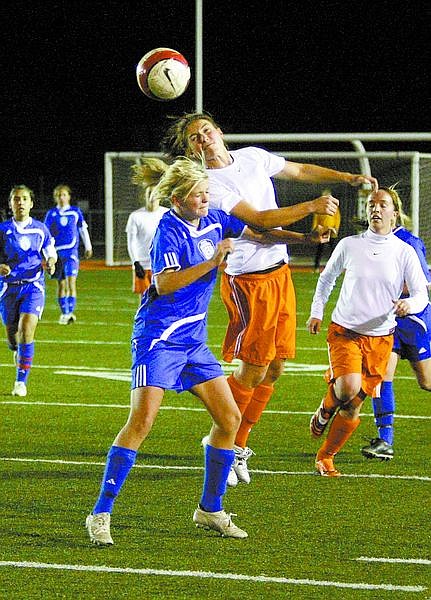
{"points": [[57, 190], [146, 175], [162, 181], [402, 219]]}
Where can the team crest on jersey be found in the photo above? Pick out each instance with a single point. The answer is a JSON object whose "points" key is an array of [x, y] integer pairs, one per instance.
{"points": [[64, 221], [24, 242], [206, 248]]}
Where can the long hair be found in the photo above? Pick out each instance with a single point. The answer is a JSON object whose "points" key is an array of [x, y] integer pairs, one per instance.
{"points": [[174, 142], [165, 181], [402, 219], [57, 191], [147, 175]]}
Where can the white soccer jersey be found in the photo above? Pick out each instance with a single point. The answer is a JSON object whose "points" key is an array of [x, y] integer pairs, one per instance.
{"points": [[140, 229], [248, 178], [376, 267]]}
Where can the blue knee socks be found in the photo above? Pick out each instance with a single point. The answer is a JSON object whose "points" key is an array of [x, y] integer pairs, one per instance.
{"points": [[218, 463], [24, 361], [118, 465], [384, 409], [64, 305], [71, 301]]}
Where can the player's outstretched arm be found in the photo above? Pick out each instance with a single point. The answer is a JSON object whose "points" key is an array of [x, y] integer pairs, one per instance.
{"points": [[309, 173], [319, 235], [279, 217]]}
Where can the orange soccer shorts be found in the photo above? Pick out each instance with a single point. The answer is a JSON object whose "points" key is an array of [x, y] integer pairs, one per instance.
{"points": [[262, 316], [139, 286], [351, 352]]}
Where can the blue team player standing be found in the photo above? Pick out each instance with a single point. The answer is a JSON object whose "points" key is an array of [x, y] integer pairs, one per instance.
{"points": [[66, 223], [412, 341], [24, 243], [169, 345]]}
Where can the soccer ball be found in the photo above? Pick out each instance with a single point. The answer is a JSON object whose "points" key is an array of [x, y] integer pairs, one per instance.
{"points": [[163, 74]]}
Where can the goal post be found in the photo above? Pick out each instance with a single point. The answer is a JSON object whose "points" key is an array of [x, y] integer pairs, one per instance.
{"points": [[410, 170]]}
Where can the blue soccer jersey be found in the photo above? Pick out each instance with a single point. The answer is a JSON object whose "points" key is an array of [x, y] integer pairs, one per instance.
{"points": [[64, 225], [412, 337], [180, 317], [22, 246], [416, 242]]}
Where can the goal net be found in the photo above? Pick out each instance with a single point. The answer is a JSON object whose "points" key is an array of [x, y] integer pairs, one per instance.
{"points": [[410, 170]]}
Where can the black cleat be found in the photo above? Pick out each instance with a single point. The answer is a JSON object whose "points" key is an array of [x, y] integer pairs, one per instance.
{"points": [[378, 448]]}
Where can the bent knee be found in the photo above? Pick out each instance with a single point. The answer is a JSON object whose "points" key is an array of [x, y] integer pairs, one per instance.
{"points": [[234, 421], [275, 371], [346, 395], [230, 422], [140, 427]]}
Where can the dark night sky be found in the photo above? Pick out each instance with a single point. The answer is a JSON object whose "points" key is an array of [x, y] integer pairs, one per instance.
{"points": [[69, 92]]}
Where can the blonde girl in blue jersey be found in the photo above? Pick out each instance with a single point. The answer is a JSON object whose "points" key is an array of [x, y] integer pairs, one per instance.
{"points": [[168, 344], [24, 244]]}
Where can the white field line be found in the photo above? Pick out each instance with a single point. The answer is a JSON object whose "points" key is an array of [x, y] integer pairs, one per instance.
{"points": [[107, 323], [186, 468], [110, 323], [73, 369], [295, 369], [401, 561], [85, 342], [127, 341], [181, 408], [108, 307], [389, 587]]}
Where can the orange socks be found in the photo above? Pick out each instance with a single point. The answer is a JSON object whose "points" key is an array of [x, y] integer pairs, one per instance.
{"points": [[340, 431], [330, 401], [241, 394], [251, 403], [261, 395]]}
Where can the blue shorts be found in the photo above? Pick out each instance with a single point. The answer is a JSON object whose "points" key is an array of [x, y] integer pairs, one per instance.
{"points": [[412, 336], [25, 298], [170, 366], [66, 266]]}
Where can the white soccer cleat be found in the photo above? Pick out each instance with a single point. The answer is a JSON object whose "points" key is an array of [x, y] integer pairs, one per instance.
{"points": [[232, 479], [98, 527], [63, 320], [19, 389], [218, 521], [240, 465]]}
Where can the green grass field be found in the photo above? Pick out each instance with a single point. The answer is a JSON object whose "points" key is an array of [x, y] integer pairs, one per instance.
{"points": [[363, 536]]}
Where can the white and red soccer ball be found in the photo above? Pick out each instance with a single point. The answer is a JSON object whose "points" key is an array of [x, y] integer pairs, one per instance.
{"points": [[163, 74]]}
